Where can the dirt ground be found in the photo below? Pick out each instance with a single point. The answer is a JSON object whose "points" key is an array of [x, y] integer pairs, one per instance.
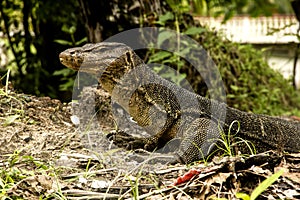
{"points": [[54, 150]]}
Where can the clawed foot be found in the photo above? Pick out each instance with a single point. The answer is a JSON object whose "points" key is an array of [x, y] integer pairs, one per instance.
{"points": [[124, 140]]}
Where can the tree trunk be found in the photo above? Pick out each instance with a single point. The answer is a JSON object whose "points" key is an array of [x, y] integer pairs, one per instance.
{"points": [[94, 14]]}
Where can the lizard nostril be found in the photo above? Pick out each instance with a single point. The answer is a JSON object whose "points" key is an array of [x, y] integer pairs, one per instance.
{"points": [[63, 55]]}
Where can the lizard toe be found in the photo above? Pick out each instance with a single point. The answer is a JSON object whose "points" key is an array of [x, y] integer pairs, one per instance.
{"points": [[113, 135]]}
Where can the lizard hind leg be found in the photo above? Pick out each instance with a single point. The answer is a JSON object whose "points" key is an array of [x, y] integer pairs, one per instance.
{"points": [[198, 140]]}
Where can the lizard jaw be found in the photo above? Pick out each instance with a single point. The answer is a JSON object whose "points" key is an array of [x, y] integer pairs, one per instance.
{"points": [[70, 59]]}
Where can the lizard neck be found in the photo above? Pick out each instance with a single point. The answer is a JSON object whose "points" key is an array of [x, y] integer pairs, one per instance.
{"points": [[113, 74]]}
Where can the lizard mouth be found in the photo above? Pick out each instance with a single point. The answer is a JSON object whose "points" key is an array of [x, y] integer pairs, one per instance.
{"points": [[70, 61]]}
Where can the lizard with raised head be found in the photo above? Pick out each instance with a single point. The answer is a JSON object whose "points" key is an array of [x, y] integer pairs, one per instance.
{"points": [[156, 104]]}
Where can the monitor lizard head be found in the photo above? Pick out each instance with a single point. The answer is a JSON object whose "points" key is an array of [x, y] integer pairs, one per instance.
{"points": [[108, 61], [100, 57]]}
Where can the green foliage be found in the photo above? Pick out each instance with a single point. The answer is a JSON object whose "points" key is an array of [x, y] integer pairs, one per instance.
{"points": [[30, 28], [70, 31], [13, 173], [261, 187], [5, 91], [168, 58], [15, 112], [67, 78], [230, 8], [229, 141], [250, 84]]}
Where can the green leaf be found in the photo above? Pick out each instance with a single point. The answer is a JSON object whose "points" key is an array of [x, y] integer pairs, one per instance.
{"points": [[63, 42], [161, 55], [81, 41], [10, 119], [200, 7], [164, 35], [173, 4], [71, 30], [164, 18], [63, 72], [184, 52], [265, 184], [242, 196], [33, 49], [67, 85], [157, 69], [234, 87], [194, 31]]}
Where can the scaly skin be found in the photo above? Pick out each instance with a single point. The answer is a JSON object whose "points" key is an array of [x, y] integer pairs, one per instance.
{"points": [[156, 104]]}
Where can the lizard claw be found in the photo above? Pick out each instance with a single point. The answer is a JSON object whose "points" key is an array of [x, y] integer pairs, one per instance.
{"points": [[120, 138], [124, 140], [116, 135]]}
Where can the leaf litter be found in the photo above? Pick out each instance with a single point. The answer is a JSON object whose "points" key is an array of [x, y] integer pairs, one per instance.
{"points": [[44, 156]]}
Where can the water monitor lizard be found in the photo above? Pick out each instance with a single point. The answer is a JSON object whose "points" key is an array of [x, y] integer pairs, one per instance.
{"points": [[154, 103]]}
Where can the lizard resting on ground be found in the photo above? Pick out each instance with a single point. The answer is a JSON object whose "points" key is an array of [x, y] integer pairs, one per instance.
{"points": [[156, 104]]}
